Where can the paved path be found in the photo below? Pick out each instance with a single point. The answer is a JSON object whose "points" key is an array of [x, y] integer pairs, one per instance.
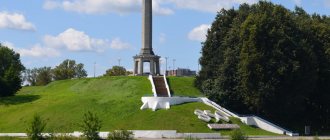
{"points": [[261, 138]]}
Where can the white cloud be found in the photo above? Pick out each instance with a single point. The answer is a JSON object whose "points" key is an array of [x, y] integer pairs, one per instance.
{"points": [[199, 33], [103, 6], [15, 21], [71, 40], [74, 40], [208, 5], [8, 44], [39, 51], [157, 9], [119, 45], [162, 38], [34, 51], [160, 7], [297, 2]]}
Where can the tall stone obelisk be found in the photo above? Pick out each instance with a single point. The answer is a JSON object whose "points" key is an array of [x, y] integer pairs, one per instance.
{"points": [[146, 53], [147, 28]]}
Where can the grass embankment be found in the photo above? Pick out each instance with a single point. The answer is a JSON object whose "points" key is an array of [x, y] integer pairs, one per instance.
{"points": [[183, 86], [116, 100]]}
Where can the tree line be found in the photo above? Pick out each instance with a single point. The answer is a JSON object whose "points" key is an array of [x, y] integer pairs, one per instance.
{"points": [[68, 69], [270, 61], [13, 73]]}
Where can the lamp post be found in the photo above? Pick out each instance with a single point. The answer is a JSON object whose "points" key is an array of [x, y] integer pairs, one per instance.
{"points": [[94, 69], [166, 65], [174, 64], [119, 59]]}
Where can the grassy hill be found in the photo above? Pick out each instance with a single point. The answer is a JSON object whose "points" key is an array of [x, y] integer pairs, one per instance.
{"points": [[116, 100]]}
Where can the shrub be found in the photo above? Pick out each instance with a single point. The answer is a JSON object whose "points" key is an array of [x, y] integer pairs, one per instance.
{"points": [[91, 126], [35, 128], [121, 135], [238, 134]]}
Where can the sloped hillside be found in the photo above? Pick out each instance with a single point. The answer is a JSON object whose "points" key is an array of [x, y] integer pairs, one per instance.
{"points": [[116, 100]]}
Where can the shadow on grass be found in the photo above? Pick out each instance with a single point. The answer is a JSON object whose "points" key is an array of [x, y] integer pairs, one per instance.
{"points": [[18, 99]]}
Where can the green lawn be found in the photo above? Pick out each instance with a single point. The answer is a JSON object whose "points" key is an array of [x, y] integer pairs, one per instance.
{"points": [[116, 100], [183, 86]]}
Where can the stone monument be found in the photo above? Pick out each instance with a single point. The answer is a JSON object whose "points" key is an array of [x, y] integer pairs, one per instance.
{"points": [[146, 53]]}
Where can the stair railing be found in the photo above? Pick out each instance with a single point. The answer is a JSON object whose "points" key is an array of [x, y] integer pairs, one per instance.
{"points": [[153, 85], [167, 87]]}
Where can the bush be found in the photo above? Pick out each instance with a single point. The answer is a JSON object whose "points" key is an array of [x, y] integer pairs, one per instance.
{"points": [[36, 127], [121, 135], [238, 134], [91, 126]]}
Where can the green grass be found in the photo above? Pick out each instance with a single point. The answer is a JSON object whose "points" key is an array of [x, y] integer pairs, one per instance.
{"points": [[246, 129], [116, 100], [183, 86]]}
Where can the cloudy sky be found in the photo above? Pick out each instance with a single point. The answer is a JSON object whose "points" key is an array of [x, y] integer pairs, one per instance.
{"points": [[45, 32]]}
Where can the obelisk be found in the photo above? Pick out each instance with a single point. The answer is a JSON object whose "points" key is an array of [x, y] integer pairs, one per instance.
{"points": [[147, 28], [146, 53]]}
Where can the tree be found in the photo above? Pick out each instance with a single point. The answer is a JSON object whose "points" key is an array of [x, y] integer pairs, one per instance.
{"points": [[30, 75], [268, 60], [68, 69], [36, 127], [10, 71], [91, 126], [44, 76], [116, 71], [38, 76]]}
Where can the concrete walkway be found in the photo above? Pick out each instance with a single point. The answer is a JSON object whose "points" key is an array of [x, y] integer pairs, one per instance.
{"points": [[259, 138], [171, 135]]}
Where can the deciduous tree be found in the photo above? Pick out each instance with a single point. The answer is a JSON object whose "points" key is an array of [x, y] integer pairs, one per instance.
{"points": [[10, 71]]}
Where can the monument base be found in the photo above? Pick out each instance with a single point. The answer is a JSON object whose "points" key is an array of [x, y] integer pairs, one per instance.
{"points": [[139, 60]]}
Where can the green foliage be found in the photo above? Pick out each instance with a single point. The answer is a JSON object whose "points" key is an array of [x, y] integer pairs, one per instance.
{"points": [[267, 60], [30, 76], [120, 135], [44, 76], [238, 134], [36, 127], [10, 71], [116, 71], [91, 126], [38, 76], [68, 69]]}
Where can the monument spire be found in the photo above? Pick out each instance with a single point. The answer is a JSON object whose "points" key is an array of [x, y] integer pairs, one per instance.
{"points": [[147, 28], [146, 54]]}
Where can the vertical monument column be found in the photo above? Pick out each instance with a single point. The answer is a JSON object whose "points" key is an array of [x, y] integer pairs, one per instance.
{"points": [[152, 67], [157, 68], [135, 68], [146, 53], [140, 67], [147, 28]]}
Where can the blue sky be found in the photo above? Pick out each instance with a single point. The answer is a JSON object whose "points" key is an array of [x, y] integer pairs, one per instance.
{"points": [[46, 32]]}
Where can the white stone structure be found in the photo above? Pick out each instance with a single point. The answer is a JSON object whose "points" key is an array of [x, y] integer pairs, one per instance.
{"points": [[251, 120], [155, 103]]}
